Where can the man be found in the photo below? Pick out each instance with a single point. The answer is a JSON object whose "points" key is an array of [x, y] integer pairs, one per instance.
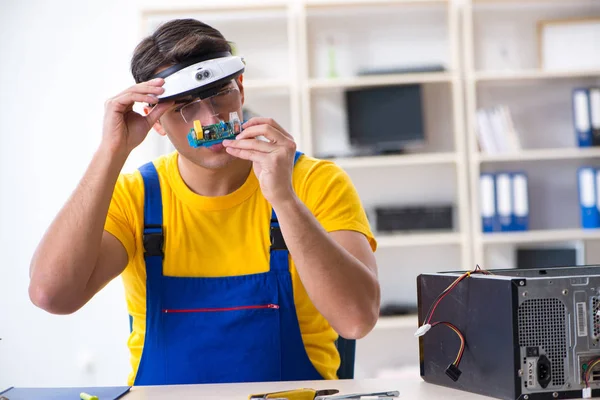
{"points": [[211, 298]]}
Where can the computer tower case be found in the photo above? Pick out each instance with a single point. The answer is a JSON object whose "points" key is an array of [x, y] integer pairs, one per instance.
{"points": [[529, 333]]}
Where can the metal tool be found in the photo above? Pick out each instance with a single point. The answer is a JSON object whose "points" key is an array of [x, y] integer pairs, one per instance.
{"points": [[378, 395]]}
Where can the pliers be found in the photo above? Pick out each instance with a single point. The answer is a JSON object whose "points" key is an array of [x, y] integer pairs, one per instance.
{"points": [[295, 394]]}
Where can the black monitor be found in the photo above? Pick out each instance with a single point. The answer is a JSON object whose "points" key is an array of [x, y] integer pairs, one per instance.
{"points": [[385, 119], [546, 257]]}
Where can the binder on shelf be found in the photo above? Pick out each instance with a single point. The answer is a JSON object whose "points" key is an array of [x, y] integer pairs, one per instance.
{"points": [[504, 201], [504, 130], [520, 202], [487, 195], [485, 133], [581, 117], [512, 136], [496, 131], [597, 193], [590, 218], [595, 115]]}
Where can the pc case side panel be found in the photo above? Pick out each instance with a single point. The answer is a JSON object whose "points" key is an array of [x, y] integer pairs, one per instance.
{"points": [[420, 315], [482, 309]]}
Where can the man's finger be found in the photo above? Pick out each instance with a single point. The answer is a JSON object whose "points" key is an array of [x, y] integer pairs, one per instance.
{"points": [[146, 89], [250, 155], [150, 86], [267, 131], [126, 100], [266, 121], [158, 111], [263, 121], [250, 144]]}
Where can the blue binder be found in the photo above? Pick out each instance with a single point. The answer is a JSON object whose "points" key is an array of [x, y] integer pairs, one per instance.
{"points": [[520, 198], [504, 201], [590, 218], [64, 393], [487, 193], [595, 115], [582, 117]]}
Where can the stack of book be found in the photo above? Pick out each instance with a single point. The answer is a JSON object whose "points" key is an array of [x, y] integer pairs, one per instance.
{"points": [[496, 132]]}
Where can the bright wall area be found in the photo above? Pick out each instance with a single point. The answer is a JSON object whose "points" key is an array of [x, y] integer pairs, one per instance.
{"points": [[60, 61]]}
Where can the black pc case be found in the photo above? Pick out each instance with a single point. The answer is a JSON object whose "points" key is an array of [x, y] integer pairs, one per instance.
{"points": [[529, 332]]}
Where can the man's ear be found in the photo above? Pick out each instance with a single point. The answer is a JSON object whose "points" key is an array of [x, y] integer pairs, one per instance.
{"points": [[157, 125], [240, 83], [159, 128]]}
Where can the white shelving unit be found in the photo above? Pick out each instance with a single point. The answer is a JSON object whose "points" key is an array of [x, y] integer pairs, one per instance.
{"points": [[539, 155], [393, 161], [407, 179], [361, 3], [317, 20], [531, 75], [501, 67], [384, 80], [541, 236]]}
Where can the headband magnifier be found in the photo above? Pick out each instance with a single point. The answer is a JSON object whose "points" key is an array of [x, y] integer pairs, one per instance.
{"points": [[202, 79]]}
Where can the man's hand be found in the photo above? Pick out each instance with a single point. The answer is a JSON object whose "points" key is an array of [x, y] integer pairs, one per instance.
{"points": [[124, 129], [272, 161]]}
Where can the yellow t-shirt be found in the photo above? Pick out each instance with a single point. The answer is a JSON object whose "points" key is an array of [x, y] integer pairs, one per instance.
{"points": [[194, 226]]}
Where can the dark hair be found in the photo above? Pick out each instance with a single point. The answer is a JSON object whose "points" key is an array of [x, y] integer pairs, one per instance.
{"points": [[174, 42]]}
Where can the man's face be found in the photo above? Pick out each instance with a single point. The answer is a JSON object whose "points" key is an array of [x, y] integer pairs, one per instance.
{"points": [[179, 119]]}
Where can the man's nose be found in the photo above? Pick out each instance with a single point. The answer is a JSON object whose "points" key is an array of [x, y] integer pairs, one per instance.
{"points": [[209, 118]]}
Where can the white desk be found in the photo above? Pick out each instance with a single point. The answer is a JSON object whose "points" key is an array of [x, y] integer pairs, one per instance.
{"points": [[410, 389]]}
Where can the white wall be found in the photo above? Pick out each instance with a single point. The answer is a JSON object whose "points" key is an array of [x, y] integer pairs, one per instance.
{"points": [[56, 58]]}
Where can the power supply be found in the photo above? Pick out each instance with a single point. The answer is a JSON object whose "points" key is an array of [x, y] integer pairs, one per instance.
{"points": [[512, 334]]}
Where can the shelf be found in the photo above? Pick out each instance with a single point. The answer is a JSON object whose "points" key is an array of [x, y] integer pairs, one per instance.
{"points": [[491, 76], [233, 7], [370, 3], [540, 155], [379, 80], [540, 236], [417, 239], [395, 160], [522, 2], [266, 84], [410, 321]]}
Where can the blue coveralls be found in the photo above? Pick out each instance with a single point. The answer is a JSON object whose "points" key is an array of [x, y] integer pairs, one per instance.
{"points": [[218, 330]]}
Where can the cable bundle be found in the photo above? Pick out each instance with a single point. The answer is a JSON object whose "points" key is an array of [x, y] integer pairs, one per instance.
{"points": [[585, 376], [452, 371]]}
